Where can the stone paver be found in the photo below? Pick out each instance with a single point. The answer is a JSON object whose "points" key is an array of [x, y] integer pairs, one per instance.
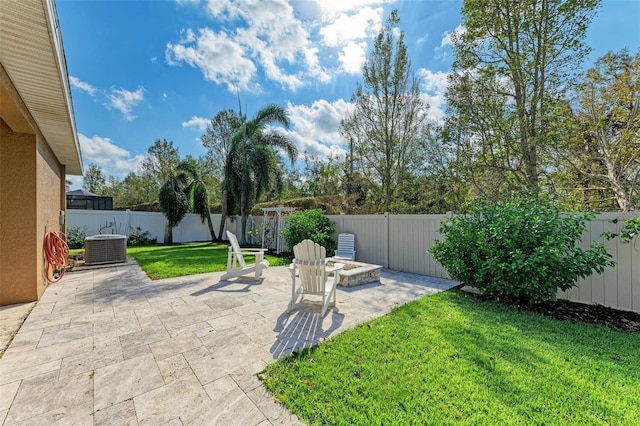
{"points": [[11, 318], [110, 346]]}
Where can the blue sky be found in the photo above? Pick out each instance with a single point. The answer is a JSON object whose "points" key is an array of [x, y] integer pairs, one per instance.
{"points": [[147, 70]]}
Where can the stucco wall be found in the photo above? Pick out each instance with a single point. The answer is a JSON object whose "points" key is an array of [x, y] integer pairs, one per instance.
{"points": [[48, 199], [18, 230], [32, 188]]}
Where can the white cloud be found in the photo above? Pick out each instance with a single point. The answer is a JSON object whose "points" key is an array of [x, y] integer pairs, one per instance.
{"points": [[421, 40], [347, 28], [330, 9], [352, 57], [433, 89], [262, 34], [114, 160], [315, 128], [448, 39], [76, 83], [164, 96], [291, 43], [76, 181], [199, 123], [124, 100], [220, 58]]}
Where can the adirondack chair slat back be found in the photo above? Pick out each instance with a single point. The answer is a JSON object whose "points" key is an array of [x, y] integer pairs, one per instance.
{"points": [[311, 261], [236, 248]]}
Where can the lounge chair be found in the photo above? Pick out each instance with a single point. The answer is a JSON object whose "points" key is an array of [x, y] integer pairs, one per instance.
{"points": [[237, 267], [346, 247]]}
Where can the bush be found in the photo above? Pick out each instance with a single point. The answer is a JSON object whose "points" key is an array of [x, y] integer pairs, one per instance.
{"points": [[631, 229], [138, 237], [523, 249], [309, 224], [75, 237]]}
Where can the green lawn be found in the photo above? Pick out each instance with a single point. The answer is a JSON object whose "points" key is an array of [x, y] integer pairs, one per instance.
{"points": [[187, 259], [453, 359]]}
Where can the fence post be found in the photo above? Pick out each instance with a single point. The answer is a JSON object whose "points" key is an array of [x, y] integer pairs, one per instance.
{"points": [[387, 237], [127, 223]]}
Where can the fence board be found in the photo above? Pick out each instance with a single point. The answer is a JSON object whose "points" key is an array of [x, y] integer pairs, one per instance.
{"points": [[634, 250], [153, 222], [371, 237]]}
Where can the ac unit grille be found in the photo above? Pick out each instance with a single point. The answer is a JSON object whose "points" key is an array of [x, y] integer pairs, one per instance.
{"points": [[101, 249]]}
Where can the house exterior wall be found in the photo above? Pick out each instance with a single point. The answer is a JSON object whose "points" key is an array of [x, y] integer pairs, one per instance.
{"points": [[18, 216], [50, 181], [32, 185]]}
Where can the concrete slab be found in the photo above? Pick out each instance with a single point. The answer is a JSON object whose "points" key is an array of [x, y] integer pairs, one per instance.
{"points": [[110, 346]]}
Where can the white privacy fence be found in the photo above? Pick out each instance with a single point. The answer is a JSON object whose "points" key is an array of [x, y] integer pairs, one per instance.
{"points": [[191, 228], [399, 242]]}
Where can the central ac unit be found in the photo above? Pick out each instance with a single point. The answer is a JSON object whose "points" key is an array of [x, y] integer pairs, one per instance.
{"points": [[100, 249]]}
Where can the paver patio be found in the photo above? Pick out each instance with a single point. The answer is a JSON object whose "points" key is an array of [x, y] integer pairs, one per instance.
{"points": [[110, 346]]}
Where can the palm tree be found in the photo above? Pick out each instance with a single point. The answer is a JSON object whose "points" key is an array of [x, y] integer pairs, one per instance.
{"points": [[252, 159], [174, 203], [196, 192]]}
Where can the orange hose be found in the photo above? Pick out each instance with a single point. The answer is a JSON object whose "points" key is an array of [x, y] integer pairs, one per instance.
{"points": [[56, 251]]}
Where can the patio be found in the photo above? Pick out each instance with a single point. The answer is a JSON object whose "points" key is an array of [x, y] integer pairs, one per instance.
{"points": [[110, 346]]}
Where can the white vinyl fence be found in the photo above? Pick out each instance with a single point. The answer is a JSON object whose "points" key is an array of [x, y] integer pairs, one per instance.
{"points": [[190, 229], [399, 242]]}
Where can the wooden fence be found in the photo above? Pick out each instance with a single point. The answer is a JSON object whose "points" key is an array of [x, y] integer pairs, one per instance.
{"points": [[401, 242]]}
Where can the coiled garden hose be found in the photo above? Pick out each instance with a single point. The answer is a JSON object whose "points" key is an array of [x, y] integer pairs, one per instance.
{"points": [[56, 251]]}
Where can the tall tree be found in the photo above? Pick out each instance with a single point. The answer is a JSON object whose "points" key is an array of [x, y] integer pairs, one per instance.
{"points": [[217, 139], [389, 113], [218, 135], [133, 190], [195, 188], [174, 204], [512, 61], [161, 160], [252, 159], [94, 180], [322, 177], [608, 111]]}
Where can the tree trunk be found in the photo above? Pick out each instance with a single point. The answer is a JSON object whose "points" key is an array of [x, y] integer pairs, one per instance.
{"points": [[243, 218], [622, 198], [168, 234], [210, 223], [223, 220]]}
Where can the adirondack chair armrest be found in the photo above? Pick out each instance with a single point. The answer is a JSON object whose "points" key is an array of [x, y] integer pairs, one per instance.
{"points": [[336, 267], [292, 269], [252, 252]]}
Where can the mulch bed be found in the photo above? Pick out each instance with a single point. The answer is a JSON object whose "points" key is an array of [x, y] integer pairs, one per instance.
{"points": [[593, 314], [581, 312]]}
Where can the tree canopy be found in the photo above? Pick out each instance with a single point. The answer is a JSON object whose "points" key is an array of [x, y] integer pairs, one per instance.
{"points": [[389, 115]]}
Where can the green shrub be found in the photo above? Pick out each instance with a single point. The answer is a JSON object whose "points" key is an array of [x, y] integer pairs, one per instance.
{"points": [[75, 237], [524, 249], [138, 237], [630, 230], [309, 224]]}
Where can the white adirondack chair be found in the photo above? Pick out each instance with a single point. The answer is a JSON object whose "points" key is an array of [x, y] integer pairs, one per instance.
{"points": [[310, 275], [237, 267], [346, 247]]}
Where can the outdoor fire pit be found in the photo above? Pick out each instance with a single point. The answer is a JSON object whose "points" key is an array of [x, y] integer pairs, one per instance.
{"points": [[356, 273]]}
